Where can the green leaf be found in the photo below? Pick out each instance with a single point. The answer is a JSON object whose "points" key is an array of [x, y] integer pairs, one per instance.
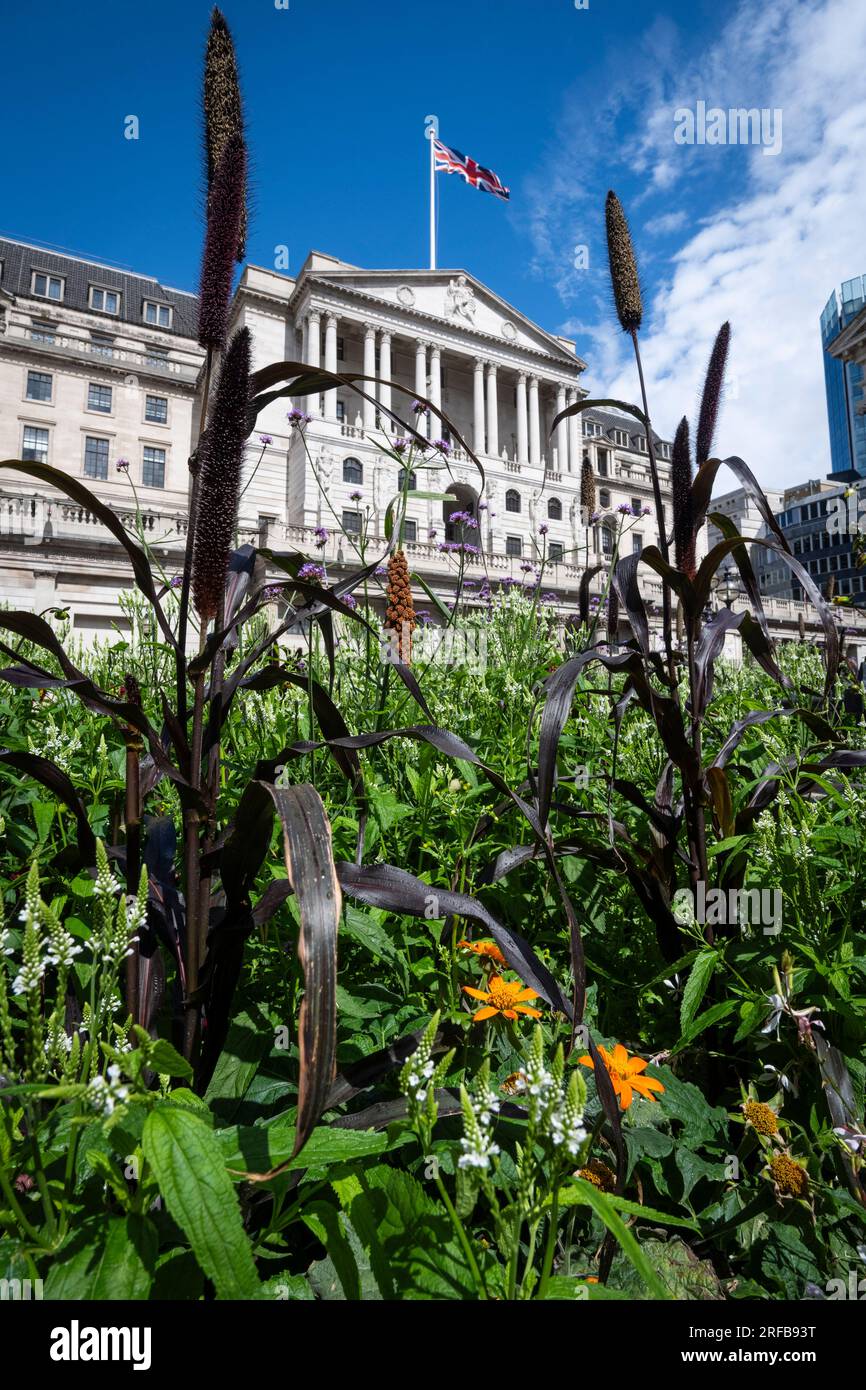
{"points": [[696, 986], [259, 1148], [167, 1061], [704, 1021], [364, 928], [189, 1168], [118, 1264], [589, 1196], [569, 1197]]}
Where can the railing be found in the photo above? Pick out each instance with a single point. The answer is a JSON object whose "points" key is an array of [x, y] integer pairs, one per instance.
{"points": [[35, 520], [84, 347]]}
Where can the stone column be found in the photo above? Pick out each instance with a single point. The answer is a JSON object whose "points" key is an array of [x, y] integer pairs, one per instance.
{"points": [[314, 351], [478, 402], [534, 423], [561, 433], [436, 391], [421, 381], [385, 374], [331, 364], [522, 433], [369, 371], [492, 412], [575, 455]]}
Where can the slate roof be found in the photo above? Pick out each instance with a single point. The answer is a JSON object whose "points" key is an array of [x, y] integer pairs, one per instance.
{"points": [[20, 260], [613, 420]]}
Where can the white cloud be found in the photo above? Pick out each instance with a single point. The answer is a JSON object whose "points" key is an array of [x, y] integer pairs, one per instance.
{"points": [[772, 237]]}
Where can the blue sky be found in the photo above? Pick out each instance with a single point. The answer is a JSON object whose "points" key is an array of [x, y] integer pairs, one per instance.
{"points": [[562, 103]]}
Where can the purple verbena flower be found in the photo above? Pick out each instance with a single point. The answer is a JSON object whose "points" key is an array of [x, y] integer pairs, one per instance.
{"points": [[312, 571], [419, 408], [355, 496], [321, 533], [442, 445], [122, 465], [265, 439], [543, 529], [296, 418]]}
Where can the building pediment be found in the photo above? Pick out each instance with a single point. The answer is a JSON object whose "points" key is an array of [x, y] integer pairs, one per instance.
{"points": [[453, 297]]}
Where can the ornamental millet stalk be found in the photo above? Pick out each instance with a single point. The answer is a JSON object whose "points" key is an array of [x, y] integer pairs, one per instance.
{"points": [[587, 490], [223, 108], [400, 609], [222, 453]]}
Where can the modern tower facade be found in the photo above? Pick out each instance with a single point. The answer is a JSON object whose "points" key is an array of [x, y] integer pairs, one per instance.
{"points": [[844, 381]]}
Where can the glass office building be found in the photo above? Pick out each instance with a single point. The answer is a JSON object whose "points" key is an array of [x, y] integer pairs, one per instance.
{"points": [[843, 380]]}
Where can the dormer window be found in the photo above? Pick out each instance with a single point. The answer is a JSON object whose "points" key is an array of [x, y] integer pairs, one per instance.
{"points": [[621, 438], [47, 286], [104, 301], [156, 314]]}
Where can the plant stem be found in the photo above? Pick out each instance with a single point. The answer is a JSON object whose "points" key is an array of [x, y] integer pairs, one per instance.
{"points": [[463, 1239]]}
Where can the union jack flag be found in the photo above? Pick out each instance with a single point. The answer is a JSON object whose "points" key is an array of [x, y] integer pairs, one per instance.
{"points": [[453, 162]]}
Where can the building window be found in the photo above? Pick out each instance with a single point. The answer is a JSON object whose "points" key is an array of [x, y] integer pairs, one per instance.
{"points": [[555, 552], [153, 467], [352, 523], [39, 386], [554, 509], [157, 314], [99, 398], [513, 545], [401, 481], [341, 412], [512, 500], [341, 348], [35, 446], [104, 301], [601, 463], [156, 410], [47, 286], [590, 428], [102, 344], [636, 506], [641, 443], [636, 545], [621, 437], [410, 530], [95, 458], [353, 471], [156, 357], [604, 498], [42, 332]]}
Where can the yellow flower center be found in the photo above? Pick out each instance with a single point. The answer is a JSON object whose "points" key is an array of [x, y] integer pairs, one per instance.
{"points": [[502, 993], [761, 1117]]}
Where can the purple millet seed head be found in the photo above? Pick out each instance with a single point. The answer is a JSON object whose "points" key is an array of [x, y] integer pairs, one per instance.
{"points": [[221, 464], [712, 397], [225, 203], [223, 107], [623, 266]]}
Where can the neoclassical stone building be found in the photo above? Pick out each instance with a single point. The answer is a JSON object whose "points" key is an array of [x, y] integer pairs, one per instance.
{"points": [[100, 376]]}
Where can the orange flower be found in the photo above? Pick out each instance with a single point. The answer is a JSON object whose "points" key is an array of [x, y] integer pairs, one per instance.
{"points": [[488, 949], [625, 1073], [505, 997]]}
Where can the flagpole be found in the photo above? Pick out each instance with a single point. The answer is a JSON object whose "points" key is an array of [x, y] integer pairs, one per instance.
{"points": [[431, 130]]}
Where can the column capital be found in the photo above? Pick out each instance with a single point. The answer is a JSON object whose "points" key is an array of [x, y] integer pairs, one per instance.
{"points": [[386, 335], [314, 315], [480, 364], [422, 343], [534, 379], [491, 368], [330, 316], [521, 378], [435, 350], [369, 328]]}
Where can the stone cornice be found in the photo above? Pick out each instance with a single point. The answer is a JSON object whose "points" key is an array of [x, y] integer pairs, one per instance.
{"points": [[414, 322]]}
